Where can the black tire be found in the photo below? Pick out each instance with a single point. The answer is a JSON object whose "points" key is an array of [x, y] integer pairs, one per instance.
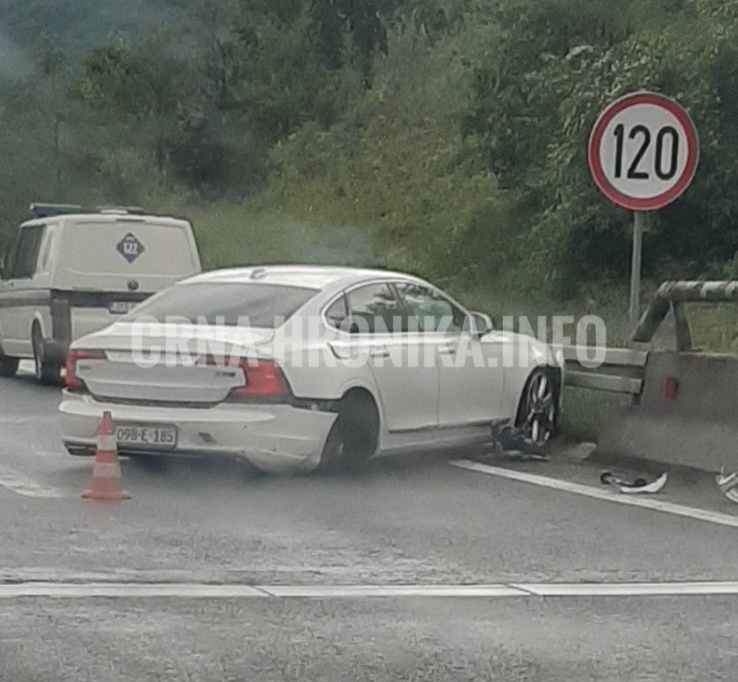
{"points": [[8, 367], [538, 413], [354, 437], [47, 373]]}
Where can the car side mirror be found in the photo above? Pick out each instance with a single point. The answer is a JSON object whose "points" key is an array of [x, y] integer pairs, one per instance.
{"points": [[481, 324]]}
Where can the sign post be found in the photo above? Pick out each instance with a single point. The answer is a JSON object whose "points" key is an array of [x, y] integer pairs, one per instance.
{"points": [[643, 155], [639, 227]]}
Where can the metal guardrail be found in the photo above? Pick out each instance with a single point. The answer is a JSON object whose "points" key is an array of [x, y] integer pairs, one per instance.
{"points": [[673, 297], [618, 370], [623, 370]]}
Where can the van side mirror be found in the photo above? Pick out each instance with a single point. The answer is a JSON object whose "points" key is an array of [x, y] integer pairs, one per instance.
{"points": [[481, 324]]}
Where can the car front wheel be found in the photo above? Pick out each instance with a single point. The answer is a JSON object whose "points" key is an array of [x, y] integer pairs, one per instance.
{"points": [[538, 413]]}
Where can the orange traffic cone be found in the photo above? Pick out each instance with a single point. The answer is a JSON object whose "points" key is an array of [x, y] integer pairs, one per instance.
{"points": [[106, 476]]}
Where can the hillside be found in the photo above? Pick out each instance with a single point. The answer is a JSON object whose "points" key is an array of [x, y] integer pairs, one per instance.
{"points": [[446, 137], [77, 25], [390, 183]]}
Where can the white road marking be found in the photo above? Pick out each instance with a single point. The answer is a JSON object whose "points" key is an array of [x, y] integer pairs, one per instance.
{"points": [[25, 486], [123, 590], [600, 494], [349, 591], [129, 591], [631, 589]]}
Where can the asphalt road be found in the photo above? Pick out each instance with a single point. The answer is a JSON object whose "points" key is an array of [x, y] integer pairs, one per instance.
{"points": [[413, 522]]}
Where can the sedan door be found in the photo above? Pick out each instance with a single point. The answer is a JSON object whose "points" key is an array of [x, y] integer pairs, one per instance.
{"points": [[404, 369], [471, 373]]}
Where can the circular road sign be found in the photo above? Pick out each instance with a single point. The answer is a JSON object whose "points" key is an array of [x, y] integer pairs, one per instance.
{"points": [[644, 151]]}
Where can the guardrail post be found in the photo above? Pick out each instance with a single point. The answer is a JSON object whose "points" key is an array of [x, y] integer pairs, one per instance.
{"points": [[651, 321], [681, 325]]}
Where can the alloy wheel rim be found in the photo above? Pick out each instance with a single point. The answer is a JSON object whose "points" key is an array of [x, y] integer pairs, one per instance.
{"points": [[541, 410]]}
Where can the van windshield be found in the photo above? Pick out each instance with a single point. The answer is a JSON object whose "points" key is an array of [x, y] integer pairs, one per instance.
{"points": [[264, 306]]}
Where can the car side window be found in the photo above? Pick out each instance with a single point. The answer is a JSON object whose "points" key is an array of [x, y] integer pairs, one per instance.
{"points": [[375, 309], [10, 255], [46, 258], [431, 311], [338, 313], [24, 257]]}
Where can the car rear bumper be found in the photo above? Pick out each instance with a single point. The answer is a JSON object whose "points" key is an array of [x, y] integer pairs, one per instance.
{"points": [[273, 438]]}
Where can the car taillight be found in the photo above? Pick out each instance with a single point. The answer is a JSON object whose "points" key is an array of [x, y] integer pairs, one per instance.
{"points": [[263, 380], [73, 382]]}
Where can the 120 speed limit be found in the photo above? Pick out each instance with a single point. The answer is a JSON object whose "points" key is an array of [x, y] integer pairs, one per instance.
{"points": [[644, 151]]}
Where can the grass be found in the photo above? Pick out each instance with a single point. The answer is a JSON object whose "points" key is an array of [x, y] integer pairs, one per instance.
{"points": [[586, 412]]}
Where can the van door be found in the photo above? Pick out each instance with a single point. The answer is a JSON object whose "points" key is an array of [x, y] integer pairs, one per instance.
{"points": [[107, 264], [110, 254], [20, 295]]}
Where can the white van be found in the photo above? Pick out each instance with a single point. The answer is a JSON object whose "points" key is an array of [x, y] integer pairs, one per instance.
{"points": [[73, 271]]}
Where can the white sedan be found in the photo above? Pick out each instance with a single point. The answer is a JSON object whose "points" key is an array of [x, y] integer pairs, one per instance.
{"points": [[298, 368]]}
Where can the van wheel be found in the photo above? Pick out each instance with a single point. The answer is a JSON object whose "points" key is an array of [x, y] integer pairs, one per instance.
{"points": [[8, 367], [47, 373]]}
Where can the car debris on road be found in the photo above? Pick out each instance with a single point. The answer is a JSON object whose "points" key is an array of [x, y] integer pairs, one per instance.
{"points": [[639, 486], [728, 485], [510, 444]]}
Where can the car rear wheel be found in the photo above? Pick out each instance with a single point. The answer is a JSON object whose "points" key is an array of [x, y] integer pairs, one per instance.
{"points": [[538, 413], [8, 367], [47, 373], [354, 437]]}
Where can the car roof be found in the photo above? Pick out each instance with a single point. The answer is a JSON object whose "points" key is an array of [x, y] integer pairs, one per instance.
{"points": [[316, 277]]}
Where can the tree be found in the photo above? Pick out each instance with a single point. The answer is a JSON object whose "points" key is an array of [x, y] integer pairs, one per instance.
{"points": [[555, 65]]}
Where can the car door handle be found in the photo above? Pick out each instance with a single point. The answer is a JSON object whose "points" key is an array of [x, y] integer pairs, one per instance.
{"points": [[379, 353], [447, 350]]}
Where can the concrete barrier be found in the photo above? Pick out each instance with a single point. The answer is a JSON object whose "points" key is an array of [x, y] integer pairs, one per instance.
{"points": [[688, 414]]}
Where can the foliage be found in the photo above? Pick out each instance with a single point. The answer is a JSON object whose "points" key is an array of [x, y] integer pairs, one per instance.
{"points": [[442, 136], [556, 64]]}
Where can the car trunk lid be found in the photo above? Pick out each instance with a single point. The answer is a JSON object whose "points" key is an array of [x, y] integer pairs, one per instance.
{"points": [[182, 364]]}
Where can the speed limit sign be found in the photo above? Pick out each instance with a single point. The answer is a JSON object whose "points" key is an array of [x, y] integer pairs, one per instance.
{"points": [[643, 154], [644, 151]]}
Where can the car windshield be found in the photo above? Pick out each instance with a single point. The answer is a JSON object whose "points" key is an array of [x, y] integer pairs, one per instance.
{"points": [[264, 306]]}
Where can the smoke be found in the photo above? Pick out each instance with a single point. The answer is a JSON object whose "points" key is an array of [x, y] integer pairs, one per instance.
{"points": [[323, 245], [15, 63]]}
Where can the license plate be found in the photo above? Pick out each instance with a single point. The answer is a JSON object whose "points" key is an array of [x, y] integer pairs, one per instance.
{"points": [[122, 307], [157, 437]]}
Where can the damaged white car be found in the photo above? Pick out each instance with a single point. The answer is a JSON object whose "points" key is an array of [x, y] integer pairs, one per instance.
{"points": [[296, 368]]}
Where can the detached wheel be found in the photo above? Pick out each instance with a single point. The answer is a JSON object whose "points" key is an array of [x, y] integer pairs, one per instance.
{"points": [[47, 373], [8, 367], [355, 435], [539, 410]]}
